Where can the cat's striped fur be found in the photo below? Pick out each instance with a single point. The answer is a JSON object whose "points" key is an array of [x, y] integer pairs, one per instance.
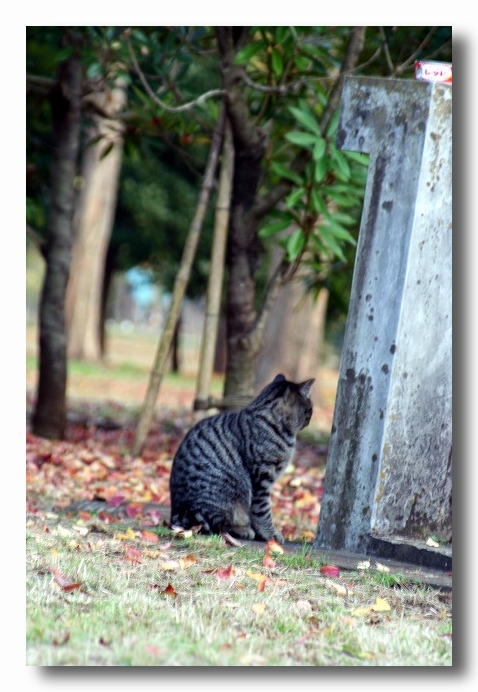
{"points": [[224, 469]]}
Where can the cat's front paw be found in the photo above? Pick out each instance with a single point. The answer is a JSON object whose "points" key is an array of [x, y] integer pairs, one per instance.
{"points": [[278, 537]]}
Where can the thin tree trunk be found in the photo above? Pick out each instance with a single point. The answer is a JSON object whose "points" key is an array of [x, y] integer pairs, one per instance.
{"points": [[180, 284], [49, 418], [93, 224], [214, 288]]}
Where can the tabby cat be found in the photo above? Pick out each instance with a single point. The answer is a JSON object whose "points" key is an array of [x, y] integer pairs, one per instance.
{"points": [[224, 469]]}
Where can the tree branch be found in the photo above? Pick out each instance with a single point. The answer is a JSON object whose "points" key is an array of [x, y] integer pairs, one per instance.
{"points": [[171, 109]]}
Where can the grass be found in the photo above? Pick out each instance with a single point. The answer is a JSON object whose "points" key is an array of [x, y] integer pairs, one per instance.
{"points": [[143, 603], [140, 603]]}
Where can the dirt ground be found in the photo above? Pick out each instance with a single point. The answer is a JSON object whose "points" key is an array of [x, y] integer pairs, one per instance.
{"points": [[108, 383]]}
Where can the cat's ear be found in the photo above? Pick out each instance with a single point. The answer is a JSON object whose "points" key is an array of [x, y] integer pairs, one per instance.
{"points": [[306, 386], [279, 378]]}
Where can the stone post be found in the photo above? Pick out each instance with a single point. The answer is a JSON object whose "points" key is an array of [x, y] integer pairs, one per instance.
{"points": [[389, 464]]}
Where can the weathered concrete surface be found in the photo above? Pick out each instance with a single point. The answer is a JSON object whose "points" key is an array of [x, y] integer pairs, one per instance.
{"points": [[389, 463]]}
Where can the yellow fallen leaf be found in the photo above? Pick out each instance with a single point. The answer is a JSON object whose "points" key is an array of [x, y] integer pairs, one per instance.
{"points": [[380, 605], [381, 568], [82, 530], [169, 565], [259, 608], [338, 588], [127, 536], [256, 575], [361, 612], [185, 562], [432, 544]]}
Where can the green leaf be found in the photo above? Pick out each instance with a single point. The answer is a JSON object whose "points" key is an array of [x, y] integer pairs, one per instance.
{"points": [[320, 169], [303, 139], [246, 53], [318, 202], [277, 64], [339, 231], [94, 71], [286, 173], [306, 119], [340, 198], [295, 243], [319, 149], [331, 243], [342, 165], [294, 197], [273, 228], [362, 159]]}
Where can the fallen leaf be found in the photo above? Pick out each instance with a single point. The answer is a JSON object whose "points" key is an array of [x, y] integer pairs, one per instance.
{"points": [[432, 544], [63, 640], [380, 605], [82, 530], [185, 562], [268, 561], [149, 536], [226, 573], [330, 570], [274, 547], [365, 564], [338, 588], [179, 532], [231, 540], [259, 608], [170, 591], [128, 535], [361, 612], [63, 582], [381, 568], [169, 565]]}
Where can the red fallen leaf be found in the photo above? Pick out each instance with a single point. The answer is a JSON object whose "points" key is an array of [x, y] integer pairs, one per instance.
{"points": [[133, 509], [115, 501], [330, 571], [62, 581], [133, 555], [170, 591], [107, 518], [86, 516], [268, 561], [60, 642], [226, 573], [149, 536]]}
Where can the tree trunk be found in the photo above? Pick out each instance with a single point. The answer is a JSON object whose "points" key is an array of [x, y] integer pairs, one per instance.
{"points": [[180, 285], [49, 418], [93, 224], [294, 336], [243, 248], [245, 324]]}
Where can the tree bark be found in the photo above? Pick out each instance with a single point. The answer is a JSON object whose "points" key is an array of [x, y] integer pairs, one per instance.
{"points": [[93, 223], [243, 248], [49, 418]]}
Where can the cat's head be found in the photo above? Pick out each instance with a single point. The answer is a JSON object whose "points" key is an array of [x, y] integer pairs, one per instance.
{"points": [[290, 401]]}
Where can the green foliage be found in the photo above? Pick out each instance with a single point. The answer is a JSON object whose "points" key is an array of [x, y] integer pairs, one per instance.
{"points": [[317, 219]]}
